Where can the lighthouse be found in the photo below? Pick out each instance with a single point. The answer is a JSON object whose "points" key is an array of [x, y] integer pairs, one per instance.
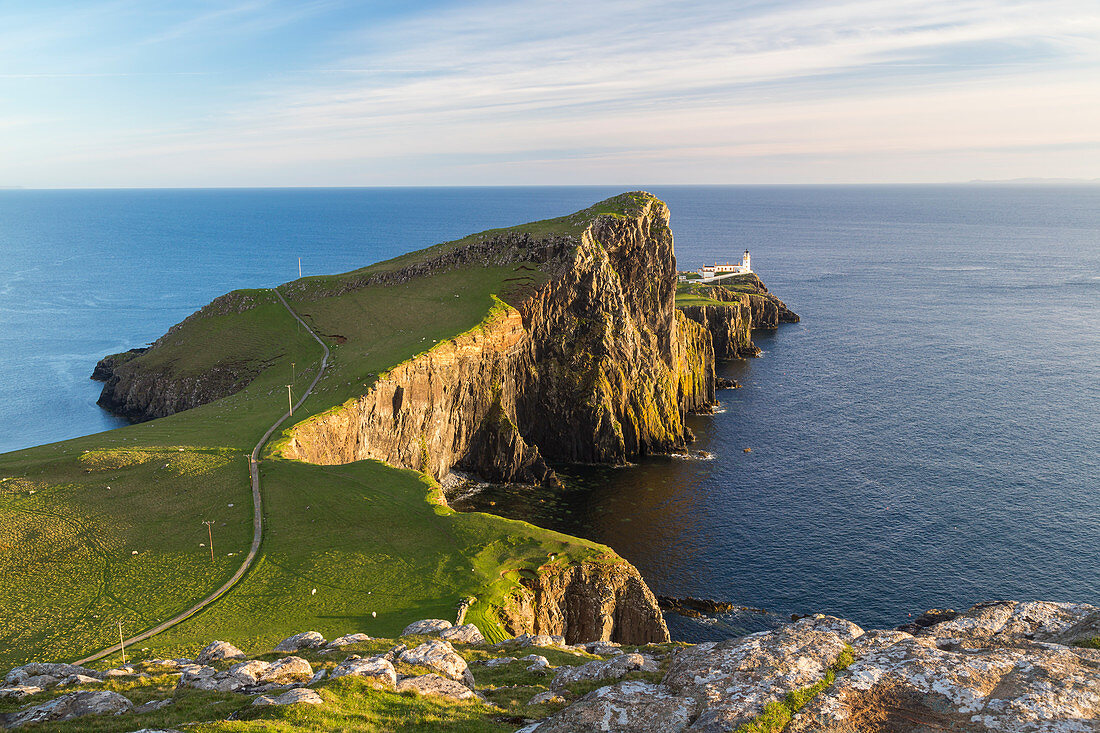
{"points": [[746, 262], [716, 271]]}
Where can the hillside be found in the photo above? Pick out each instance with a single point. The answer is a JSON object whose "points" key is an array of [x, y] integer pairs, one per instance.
{"points": [[109, 527]]}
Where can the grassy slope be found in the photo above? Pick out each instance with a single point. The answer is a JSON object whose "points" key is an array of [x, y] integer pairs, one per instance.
{"points": [[369, 541]]}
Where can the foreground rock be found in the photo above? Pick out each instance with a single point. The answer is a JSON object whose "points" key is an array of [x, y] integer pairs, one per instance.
{"points": [[216, 651], [442, 657], [247, 675], [298, 642], [433, 684], [296, 696], [376, 669], [46, 674], [69, 706], [1002, 667], [465, 634], [604, 669], [428, 626]]}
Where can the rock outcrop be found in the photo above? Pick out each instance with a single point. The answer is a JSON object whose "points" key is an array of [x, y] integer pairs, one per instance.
{"points": [[595, 365], [1003, 667], [749, 305], [587, 602]]}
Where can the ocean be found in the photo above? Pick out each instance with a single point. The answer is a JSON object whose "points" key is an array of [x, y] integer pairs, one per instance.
{"points": [[927, 436]]}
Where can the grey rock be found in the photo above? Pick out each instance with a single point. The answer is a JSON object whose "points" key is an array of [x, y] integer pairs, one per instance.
{"points": [[18, 692], [396, 652], [465, 634], [299, 695], [44, 681], [153, 705], [79, 679], [434, 684], [304, 640], [348, 639], [428, 626], [602, 648], [601, 669], [499, 661], [627, 707], [536, 662], [1006, 623], [318, 676], [442, 657], [216, 651], [735, 679], [377, 669], [549, 696], [69, 706], [288, 670], [57, 670]]}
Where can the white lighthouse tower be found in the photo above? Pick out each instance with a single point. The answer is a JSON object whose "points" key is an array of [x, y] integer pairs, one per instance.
{"points": [[716, 271], [746, 262]]}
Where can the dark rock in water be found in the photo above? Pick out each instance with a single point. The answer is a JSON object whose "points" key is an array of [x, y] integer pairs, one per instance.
{"points": [[697, 607], [725, 383], [931, 617], [106, 366]]}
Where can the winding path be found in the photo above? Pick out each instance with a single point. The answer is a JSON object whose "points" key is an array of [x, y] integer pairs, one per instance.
{"points": [[257, 516]]}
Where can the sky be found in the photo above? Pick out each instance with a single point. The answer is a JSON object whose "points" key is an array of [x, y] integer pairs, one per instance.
{"points": [[129, 93]]}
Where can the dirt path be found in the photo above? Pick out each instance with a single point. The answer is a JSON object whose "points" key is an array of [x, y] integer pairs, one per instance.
{"points": [[257, 516]]}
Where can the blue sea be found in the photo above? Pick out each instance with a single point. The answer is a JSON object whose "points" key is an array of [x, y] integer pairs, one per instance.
{"points": [[927, 436]]}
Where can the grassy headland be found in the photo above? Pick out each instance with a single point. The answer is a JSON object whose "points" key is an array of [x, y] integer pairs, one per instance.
{"points": [[369, 538]]}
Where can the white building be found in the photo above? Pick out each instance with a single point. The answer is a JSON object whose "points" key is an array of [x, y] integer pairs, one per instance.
{"points": [[711, 272]]}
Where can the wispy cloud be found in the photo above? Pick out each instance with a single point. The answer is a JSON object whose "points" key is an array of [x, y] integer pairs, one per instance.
{"points": [[506, 92]]}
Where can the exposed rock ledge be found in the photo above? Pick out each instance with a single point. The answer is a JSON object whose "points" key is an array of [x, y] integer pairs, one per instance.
{"points": [[592, 601], [1007, 667]]}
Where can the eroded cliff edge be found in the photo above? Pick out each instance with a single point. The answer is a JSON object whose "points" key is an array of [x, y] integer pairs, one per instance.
{"points": [[594, 364]]}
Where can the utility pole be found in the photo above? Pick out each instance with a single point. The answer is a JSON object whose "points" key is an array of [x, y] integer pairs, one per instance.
{"points": [[210, 534], [299, 268], [121, 642], [293, 377], [290, 398]]}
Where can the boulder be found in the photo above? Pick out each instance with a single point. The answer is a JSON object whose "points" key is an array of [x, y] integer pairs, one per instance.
{"points": [[442, 657], [69, 706], [602, 648], [536, 662], [45, 681], [288, 670], [216, 651], [627, 707], [79, 679], [154, 705], [348, 639], [433, 684], [526, 640], [291, 697], [249, 673], [376, 669], [124, 671], [465, 634], [428, 626], [18, 692], [735, 679], [601, 669], [304, 640], [56, 670], [549, 696], [499, 661]]}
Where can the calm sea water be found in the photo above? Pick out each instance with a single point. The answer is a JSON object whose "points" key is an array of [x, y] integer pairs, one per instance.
{"points": [[928, 435]]}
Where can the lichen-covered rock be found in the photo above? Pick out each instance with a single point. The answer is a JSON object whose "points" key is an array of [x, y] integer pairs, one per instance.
{"points": [[56, 670], [547, 697], [602, 669], [536, 662], [216, 651], [304, 640], [79, 679], [299, 695], [442, 657], [627, 707], [913, 685], [1006, 623], [427, 626], [733, 680], [434, 684], [18, 692], [287, 671], [465, 634], [348, 639], [377, 669], [69, 706]]}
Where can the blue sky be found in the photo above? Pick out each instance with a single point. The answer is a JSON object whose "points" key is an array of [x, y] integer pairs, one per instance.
{"points": [[326, 92]]}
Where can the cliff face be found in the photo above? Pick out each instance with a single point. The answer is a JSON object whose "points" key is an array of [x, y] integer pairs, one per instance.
{"points": [[595, 365], [592, 601], [730, 327]]}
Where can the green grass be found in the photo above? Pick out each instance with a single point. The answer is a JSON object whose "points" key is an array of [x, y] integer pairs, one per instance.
{"points": [[688, 299], [370, 538], [1093, 643]]}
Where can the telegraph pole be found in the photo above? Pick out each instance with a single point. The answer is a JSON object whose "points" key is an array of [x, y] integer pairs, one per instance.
{"points": [[210, 534], [121, 642], [293, 377], [290, 398], [299, 268]]}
